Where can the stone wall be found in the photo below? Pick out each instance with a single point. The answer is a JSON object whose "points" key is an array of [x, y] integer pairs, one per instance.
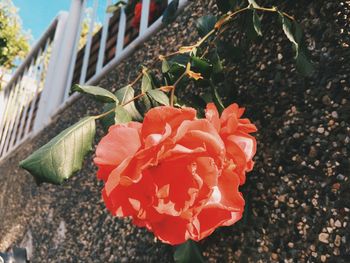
{"points": [[297, 196]]}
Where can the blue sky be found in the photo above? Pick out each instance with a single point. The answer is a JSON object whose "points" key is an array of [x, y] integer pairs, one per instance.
{"points": [[36, 15]]}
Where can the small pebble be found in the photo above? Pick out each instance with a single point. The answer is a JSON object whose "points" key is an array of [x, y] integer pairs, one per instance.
{"points": [[337, 240], [320, 130], [335, 114], [323, 237], [337, 224]]}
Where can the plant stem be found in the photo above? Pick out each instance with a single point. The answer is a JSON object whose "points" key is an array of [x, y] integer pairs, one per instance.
{"points": [[134, 98], [131, 100], [273, 10], [216, 30], [172, 94]]}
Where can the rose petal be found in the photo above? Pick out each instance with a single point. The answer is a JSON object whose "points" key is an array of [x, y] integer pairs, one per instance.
{"points": [[232, 110], [230, 197], [244, 125], [104, 171], [120, 143], [210, 218], [246, 142], [171, 230], [212, 115], [156, 119], [129, 200], [200, 133], [177, 176]]}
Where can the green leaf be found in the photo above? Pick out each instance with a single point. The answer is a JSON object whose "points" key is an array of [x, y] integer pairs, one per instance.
{"points": [[144, 104], [226, 5], [249, 26], [253, 3], [126, 94], [97, 93], [201, 66], [205, 24], [165, 66], [217, 64], [207, 98], [180, 59], [169, 14], [257, 23], [108, 120], [294, 33], [159, 97], [147, 82], [303, 65], [121, 115], [288, 31], [60, 158], [216, 98], [115, 7], [298, 32], [188, 252]]}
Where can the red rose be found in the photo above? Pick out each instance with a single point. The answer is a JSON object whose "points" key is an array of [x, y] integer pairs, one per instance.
{"points": [[153, 8], [176, 175]]}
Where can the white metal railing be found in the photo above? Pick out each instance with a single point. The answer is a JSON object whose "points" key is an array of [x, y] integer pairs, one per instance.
{"points": [[20, 97], [40, 86]]}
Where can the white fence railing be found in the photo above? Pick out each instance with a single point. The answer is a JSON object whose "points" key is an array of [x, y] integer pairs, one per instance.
{"points": [[65, 56]]}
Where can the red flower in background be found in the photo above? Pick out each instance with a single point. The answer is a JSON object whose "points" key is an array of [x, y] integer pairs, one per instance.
{"points": [[153, 9], [176, 175]]}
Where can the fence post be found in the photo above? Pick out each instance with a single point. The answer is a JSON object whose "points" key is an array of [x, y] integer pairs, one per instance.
{"points": [[62, 53], [2, 104]]}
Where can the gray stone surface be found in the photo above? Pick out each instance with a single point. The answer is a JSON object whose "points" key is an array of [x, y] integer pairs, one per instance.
{"points": [[297, 196]]}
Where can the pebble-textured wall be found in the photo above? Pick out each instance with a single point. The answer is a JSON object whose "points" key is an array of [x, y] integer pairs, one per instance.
{"points": [[297, 196]]}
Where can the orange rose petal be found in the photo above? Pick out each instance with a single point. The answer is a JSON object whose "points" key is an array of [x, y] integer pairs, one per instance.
{"points": [[230, 197], [156, 119], [171, 230], [247, 144], [176, 175], [226, 113], [118, 144], [212, 115], [212, 217], [104, 171]]}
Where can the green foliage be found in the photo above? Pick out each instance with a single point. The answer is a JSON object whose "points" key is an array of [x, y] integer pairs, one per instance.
{"points": [[293, 32], [98, 93], [169, 14], [13, 41], [159, 97], [253, 3], [257, 23], [121, 115], [125, 95], [109, 119], [205, 24], [188, 252], [202, 64], [226, 5], [63, 155], [216, 98]]}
